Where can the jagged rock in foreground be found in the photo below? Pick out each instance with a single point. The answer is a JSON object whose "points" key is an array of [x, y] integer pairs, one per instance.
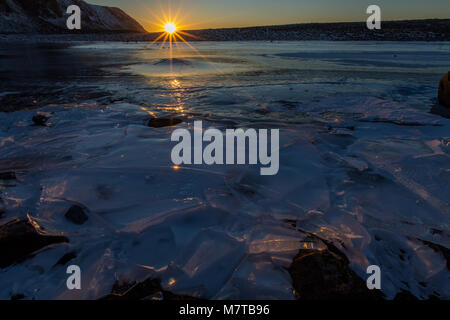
{"points": [[20, 238], [149, 289], [49, 16], [444, 90], [324, 275]]}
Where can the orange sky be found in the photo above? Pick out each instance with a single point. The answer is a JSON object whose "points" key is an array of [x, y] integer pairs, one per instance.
{"points": [[199, 14]]}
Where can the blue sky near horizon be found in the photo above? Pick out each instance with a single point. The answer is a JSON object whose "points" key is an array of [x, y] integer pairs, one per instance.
{"points": [[197, 14]]}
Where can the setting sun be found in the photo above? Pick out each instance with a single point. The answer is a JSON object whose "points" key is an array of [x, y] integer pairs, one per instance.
{"points": [[170, 27]]}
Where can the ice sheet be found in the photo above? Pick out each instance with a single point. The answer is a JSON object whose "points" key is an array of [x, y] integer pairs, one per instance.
{"points": [[362, 164]]}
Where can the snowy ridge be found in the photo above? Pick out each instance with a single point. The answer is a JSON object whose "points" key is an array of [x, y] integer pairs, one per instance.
{"points": [[49, 16]]}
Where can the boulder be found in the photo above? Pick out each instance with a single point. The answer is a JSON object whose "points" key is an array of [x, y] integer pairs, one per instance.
{"points": [[20, 238], [76, 214], [444, 90], [40, 120], [326, 275]]}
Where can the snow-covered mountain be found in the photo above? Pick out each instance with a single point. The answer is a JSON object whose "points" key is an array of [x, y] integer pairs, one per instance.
{"points": [[49, 16]]}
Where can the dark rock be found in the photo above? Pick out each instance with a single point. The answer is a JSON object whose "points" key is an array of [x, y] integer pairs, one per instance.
{"points": [[163, 122], [40, 120], [444, 90], [438, 248], [325, 274], [8, 175], [76, 214], [143, 291], [20, 238], [66, 258], [440, 110]]}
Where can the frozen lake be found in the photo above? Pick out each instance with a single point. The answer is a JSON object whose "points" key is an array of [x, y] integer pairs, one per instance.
{"points": [[363, 164]]}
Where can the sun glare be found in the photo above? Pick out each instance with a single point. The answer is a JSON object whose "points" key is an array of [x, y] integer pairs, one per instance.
{"points": [[170, 27]]}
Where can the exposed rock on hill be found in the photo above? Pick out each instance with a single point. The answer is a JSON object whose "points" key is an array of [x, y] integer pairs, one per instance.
{"points": [[49, 16]]}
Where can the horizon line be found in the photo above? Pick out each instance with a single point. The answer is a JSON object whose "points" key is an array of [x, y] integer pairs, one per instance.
{"points": [[301, 23]]}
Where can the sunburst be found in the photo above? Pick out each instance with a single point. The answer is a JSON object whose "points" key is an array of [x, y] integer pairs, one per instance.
{"points": [[171, 31], [170, 27]]}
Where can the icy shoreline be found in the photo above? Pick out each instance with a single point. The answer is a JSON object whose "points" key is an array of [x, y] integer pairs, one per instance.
{"points": [[127, 170], [366, 173]]}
